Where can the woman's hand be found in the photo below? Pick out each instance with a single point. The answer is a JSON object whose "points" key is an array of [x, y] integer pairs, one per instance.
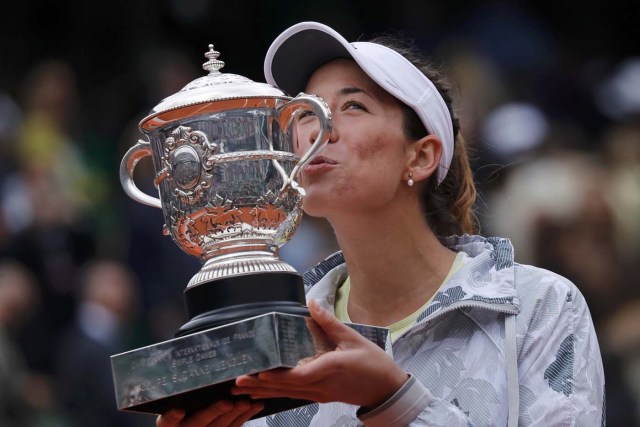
{"points": [[220, 414], [357, 371]]}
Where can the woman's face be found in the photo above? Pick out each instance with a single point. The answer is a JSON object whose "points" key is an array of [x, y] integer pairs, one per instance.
{"points": [[362, 167]]}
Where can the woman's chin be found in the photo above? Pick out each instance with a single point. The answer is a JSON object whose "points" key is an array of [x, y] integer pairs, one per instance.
{"points": [[312, 211], [315, 206]]}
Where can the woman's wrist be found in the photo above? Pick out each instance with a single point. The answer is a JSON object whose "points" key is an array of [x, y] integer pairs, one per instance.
{"points": [[399, 409], [396, 379]]}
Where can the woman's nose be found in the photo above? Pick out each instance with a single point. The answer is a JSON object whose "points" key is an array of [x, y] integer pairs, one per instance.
{"points": [[333, 133]]}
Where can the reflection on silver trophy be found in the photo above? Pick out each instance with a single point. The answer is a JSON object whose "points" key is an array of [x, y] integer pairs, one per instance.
{"points": [[223, 153], [226, 172]]}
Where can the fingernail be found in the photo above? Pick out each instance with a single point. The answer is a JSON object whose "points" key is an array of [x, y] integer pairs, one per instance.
{"points": [[315, 306], [176, 414]]}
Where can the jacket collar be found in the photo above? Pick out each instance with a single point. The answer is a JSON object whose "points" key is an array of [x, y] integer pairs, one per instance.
{"points": [[485, 280]]}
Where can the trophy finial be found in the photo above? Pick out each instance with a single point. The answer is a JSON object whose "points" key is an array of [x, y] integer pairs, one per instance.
{"points": [[213, 65]]}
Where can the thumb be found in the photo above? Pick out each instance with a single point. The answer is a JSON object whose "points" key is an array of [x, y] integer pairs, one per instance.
{"points": [[335, 330]]}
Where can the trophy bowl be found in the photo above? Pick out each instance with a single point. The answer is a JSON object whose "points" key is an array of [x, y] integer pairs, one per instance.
{"points": [[223, 152], [226, 169]]}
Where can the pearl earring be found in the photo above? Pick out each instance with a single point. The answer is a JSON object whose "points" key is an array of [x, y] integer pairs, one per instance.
{"points": [[410, 180]]}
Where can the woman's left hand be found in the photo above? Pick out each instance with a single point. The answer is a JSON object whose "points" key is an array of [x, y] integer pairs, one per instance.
{"points": [[357, 371]]}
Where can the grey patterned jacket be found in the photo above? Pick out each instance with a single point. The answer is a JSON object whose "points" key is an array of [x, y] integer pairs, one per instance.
{"points": [[498, 336]]}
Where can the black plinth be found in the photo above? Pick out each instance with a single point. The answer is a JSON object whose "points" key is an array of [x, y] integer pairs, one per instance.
{"points": [[231, 299]]}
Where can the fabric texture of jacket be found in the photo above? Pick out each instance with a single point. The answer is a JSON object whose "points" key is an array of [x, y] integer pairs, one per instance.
{"points": [[498, 337]]}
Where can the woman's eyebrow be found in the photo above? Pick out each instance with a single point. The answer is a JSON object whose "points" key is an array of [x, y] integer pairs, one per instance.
{"points": [[350, 90]]}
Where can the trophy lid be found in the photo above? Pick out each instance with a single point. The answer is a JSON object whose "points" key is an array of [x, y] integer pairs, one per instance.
{"points": [[211, 93]]}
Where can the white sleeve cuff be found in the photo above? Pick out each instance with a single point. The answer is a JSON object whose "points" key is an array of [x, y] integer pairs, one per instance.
{"points": [[401, 408]]}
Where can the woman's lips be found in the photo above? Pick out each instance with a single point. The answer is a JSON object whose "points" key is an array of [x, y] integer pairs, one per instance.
{"points": [[319, 164]]}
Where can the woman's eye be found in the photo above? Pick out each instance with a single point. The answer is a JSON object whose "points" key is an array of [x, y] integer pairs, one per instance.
{"points": [[305, 113], [353, 105]]}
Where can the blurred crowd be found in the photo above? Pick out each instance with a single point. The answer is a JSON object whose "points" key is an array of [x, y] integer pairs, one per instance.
{"points": [[86, 273]]}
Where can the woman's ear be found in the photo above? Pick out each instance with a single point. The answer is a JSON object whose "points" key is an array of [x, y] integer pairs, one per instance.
{"points": [[424, 157]]}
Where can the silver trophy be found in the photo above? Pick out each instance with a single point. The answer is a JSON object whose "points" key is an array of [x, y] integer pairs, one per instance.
{"points": [[225, 169]]}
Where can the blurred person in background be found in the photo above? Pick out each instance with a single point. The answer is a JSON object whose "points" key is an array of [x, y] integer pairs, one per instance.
{"points": [[18, 299], [51, 164], [105, 324], [45, 201], [553, 206], [619, 299], [621, 157]]}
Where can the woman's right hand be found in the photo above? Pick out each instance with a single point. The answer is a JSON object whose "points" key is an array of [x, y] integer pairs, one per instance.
{"points": [[219, 414]]}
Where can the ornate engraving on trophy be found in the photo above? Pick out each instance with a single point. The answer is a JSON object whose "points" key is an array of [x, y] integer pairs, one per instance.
{"points": [[186, 167], [182, 165]]}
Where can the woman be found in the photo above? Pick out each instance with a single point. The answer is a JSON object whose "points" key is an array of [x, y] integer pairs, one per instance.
{"points": [[477, 339]]}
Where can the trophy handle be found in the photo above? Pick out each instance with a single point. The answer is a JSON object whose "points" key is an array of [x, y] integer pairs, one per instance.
{"points": [[131, 158], [322, 111]]}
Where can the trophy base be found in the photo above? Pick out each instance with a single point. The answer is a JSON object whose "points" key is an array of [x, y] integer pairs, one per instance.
{"points": [[230, 299], [194, 400], [224, 316], [196, 370]]}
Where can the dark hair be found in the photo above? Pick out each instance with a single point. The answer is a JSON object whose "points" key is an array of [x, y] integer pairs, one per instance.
{"points": [[449, 206]]}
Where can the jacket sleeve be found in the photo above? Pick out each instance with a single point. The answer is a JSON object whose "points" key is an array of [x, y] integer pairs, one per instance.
{"points": [[413, 405], [561, 378]]}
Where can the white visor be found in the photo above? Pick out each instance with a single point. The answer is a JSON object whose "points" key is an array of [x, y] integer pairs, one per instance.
{"points": [[301, 49]]}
